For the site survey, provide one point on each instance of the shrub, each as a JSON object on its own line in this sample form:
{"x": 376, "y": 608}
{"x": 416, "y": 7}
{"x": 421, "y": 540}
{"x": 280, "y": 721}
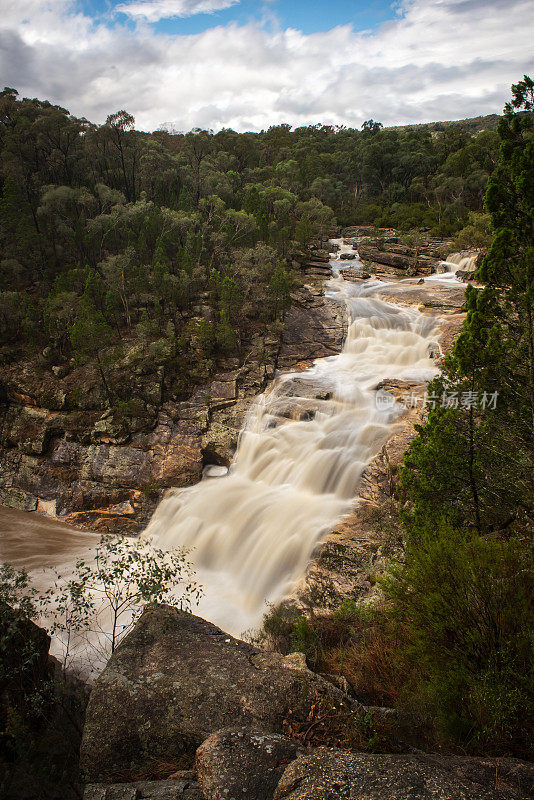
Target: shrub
{"x": 464, "y": 607}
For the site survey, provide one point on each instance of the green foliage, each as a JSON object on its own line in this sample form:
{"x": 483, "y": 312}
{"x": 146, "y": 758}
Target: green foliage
{"x": 465, "y": 609}
{"x": 106, "y": 595}
{"x": 89, "y": 333}
{"x": 20, "y": 656}
{"x": 476, "y": 233}
{"x": 480, "y": 461}
{"x": 463, "y": 600}
{"x": 279, "y": 291}
{"x": 304, "y": 639}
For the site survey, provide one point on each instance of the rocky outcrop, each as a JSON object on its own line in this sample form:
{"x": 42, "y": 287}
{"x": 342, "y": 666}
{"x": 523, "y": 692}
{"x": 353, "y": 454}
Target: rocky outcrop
{"x": 175, "y": 679}
{"x": 106, "y": 471}
{"x": 243, "y": 763}
{"x": 338, "y": 775}
{"x": 176, "y": 789}
{"x": 355, "y": 275}
{"x": 466, "y": 275}
{"x": 398, "y": 257}
{"x": 314, "y": 328}
{"x": 384, "y": 250}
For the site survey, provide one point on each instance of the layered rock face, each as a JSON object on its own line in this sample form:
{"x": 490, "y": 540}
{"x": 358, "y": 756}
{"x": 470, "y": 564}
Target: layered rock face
{"x": 384, "y": 250}
{"x": 106, "y": 471}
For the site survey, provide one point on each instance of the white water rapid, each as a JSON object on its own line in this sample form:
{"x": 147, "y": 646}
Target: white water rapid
{"x": 299, "y": 460}
{"x": 451, "y": 265}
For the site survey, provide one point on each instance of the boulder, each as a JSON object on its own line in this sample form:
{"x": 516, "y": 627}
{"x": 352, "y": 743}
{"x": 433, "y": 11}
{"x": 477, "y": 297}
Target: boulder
{"x": 339, "y": 775}
{"x": 175, "y": 679}
{"x": 466, "y": 275}
{"x": 144, "y": 790}
{"x": 243, "y": 763}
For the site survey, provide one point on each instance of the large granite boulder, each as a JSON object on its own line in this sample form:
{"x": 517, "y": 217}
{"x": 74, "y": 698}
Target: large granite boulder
{"x": 243, "y": 763}
{"x": 175, "y": 679}
{"x": 339, "y": 775}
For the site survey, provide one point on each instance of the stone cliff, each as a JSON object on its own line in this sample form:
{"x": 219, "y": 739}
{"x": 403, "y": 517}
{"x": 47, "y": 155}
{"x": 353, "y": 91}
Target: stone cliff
{"x": 106, "y": 471}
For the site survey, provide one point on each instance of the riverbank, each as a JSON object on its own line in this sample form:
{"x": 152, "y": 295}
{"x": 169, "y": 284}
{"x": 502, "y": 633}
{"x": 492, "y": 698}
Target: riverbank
{"x": 317, "y": 429}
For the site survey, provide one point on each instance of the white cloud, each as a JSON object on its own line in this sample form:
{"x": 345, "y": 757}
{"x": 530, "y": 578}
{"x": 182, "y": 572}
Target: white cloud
{"x": 154, "y": 10}
{"x": 440, "y": 59}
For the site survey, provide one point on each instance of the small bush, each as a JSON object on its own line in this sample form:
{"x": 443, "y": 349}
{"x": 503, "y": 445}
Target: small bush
{"x": 464, "y": 608}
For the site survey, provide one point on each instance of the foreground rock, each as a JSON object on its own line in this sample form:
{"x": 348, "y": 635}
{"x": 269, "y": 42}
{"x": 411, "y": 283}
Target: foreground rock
{"x": 243, "y": 763}
{"x": 176, "y": 679}
{"x": 144, "y": 790}
{"x": 338, "y": 775}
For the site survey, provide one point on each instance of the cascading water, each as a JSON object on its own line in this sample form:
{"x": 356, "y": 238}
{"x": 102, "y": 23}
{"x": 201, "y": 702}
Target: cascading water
{"x": 299, "y": 461}
{"x": 453, "y": 263}
{"x": 462, "y": 261}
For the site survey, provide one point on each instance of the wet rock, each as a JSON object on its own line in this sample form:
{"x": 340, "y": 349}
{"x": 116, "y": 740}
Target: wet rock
{"x": 466, "y": 275}
{"x": 118, "y": 466}
{"x": 220, "y": 441}
{"x": 338, "y": 775}
{"x": 353, "y": 274}
{"x": 175, "y": 679}
{"x": 243, "y": 763}
{"x": 398, "y": 260}
{"x": 347, "y": 256}
{"x": 314, "y": 327}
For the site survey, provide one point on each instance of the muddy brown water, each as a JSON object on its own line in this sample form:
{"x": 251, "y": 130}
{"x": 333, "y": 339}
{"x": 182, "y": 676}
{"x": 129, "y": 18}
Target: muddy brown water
{"x": 34, "y": 542}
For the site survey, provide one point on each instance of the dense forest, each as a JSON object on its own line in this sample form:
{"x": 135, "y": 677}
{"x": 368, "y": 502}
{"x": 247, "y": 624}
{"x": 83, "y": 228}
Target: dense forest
{"x": 109, "y": 234}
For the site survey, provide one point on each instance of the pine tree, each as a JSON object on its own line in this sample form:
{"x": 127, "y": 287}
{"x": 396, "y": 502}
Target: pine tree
{"x": 477, "y": 456}
{"x": 509, "y": 263}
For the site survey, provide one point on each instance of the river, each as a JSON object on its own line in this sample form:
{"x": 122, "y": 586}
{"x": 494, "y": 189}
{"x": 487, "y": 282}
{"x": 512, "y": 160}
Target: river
{"x": 300, "y": 457}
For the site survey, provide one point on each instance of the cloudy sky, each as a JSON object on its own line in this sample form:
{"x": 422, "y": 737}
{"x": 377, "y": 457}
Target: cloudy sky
{"x": 248, "y": 64}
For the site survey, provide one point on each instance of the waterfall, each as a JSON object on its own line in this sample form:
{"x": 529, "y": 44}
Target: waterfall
{"x": 462, "y": 260}
{"x": 299, "y": 460}
{"x": 453, "y": 263}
